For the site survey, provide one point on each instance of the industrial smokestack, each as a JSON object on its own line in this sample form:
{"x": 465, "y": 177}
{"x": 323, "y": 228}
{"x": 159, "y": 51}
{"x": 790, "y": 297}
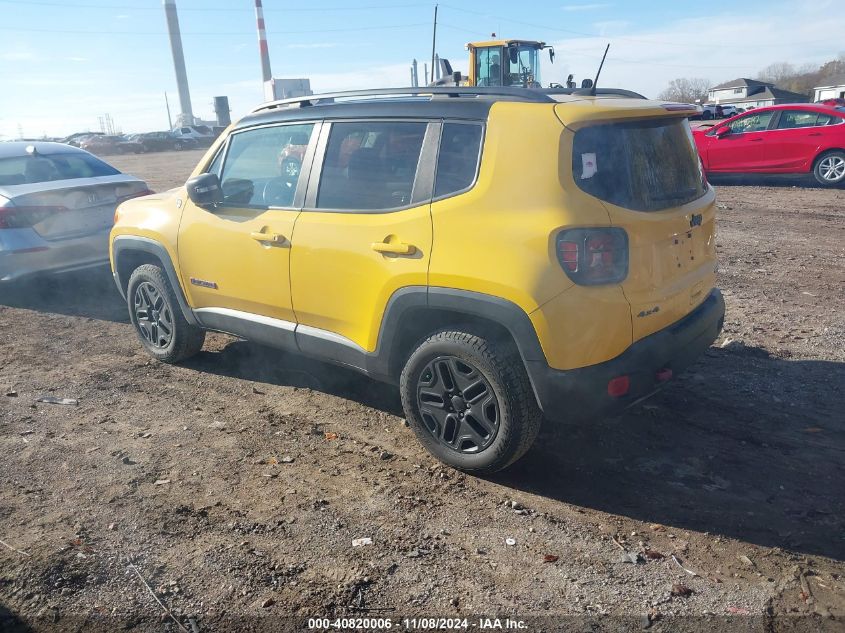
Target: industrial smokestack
{"x": 187, "y": 116}
{"x": 266, "y": 75}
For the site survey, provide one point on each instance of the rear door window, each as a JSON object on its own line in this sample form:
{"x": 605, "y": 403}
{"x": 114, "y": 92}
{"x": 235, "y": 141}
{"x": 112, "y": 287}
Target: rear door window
{"x": 258, "y": 171}
{"x": 457, "y": 161}
{"x": 370, "y": 165}
{"x": 792, "y": 119}
{"x": 643, "y": 165}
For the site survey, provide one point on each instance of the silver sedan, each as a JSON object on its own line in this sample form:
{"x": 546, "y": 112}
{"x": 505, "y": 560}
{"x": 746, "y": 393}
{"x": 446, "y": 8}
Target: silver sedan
{"x": 57, "y": 206}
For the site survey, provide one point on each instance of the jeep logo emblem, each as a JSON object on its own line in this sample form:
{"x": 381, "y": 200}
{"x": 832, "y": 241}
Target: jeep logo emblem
{"x": 695, "y": 220}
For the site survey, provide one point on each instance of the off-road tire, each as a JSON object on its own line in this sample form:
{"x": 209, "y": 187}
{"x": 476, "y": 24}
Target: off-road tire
{"x": 499, "y": 364}
{"x": 830, "y": 163}
{"x": 185, "y": 340}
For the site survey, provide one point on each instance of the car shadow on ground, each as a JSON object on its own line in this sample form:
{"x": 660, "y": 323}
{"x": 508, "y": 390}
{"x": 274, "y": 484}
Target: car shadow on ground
{"x": 248, "y": 361}
{"x": 89, "y": 293}
{"x": 766, "y": 180}
{"x": 11, "y": 623}
{"x": 743, "y": 445}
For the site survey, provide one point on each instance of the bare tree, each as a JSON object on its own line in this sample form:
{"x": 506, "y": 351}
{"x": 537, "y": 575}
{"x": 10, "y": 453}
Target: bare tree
{"x": 686, "y": 90}
{"x": 777, "y": 73}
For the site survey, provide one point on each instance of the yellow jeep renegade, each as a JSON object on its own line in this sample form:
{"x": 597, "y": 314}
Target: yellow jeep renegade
{"x": 503, "y": 255}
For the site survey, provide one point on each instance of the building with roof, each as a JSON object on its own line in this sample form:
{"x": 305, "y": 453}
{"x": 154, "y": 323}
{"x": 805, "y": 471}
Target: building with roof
{"x": 834, "y": 88}
{"x": 751, "y": 93}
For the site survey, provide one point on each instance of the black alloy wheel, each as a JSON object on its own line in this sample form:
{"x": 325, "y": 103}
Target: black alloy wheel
{"x": 458, "y": 405}
{"x": 153, "y": 316}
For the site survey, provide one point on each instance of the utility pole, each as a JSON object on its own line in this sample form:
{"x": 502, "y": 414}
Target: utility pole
{"x": 169, "y": 120}
{"x": 433, "y": 44}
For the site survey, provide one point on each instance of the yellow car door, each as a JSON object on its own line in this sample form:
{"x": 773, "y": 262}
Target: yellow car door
{"x": 235, "y": 257}
{"x": 365, "y": 231}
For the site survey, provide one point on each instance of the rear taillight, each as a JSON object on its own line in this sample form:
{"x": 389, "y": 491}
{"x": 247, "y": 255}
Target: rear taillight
{"x": 591, "y": 257}
{"x": 25, "y": 217}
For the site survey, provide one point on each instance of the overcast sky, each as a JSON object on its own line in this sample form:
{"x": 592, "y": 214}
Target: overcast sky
{"x": 64, "y": 63}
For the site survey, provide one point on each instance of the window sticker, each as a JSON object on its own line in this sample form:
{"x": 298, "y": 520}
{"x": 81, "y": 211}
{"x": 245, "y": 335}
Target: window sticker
{"x": 588, "y": 165}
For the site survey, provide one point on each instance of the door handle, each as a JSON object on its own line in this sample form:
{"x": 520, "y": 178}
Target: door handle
{"x": 270, "y": 238}
{"x": 755, "y": 139}
{"x": 814, "y": 134}
{"x": 394, "y": 248}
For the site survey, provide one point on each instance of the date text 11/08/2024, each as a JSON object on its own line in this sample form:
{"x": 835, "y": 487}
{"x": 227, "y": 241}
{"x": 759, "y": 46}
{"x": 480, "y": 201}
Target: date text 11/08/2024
{"x": 415, "y": 624}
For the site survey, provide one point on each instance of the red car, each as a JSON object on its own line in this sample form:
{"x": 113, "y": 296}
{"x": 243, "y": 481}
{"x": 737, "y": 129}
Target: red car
{"x": 782, "y": 139}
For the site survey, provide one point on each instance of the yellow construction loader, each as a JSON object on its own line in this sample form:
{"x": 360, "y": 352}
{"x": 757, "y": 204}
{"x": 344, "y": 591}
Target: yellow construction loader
{"x": 499, "y": 62}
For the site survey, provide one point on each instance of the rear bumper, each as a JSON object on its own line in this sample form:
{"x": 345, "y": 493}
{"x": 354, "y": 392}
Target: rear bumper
{"x": 24, "y": 253}
{"x": 564, "y": 395}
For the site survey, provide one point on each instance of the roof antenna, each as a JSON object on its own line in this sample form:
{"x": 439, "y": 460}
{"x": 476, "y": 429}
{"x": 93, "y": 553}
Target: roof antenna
{"x": 596, "y": 80}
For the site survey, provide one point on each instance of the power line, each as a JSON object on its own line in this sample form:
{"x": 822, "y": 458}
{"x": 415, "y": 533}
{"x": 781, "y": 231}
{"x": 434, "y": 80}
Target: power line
{"x": 216, "y": 33}
{"x": 215, "y": 9}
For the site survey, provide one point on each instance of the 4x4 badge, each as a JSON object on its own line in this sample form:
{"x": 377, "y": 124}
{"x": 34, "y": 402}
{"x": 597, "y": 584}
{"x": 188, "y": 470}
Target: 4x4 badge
{"x": 695, "y": 220}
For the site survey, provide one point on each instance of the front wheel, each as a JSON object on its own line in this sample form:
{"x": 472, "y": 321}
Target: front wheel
{"x": 157, "y": 318}
{"x": 469, "y": 402}
{"x": 830, "y": 169}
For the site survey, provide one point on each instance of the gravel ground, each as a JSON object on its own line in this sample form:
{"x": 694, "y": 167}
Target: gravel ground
{"x": 232, "y": 486}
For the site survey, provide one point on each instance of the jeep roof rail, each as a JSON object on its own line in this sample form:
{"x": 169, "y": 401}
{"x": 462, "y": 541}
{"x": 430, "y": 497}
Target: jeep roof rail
{"x": 524, "y": 94}
{"x": 600, "y": 92}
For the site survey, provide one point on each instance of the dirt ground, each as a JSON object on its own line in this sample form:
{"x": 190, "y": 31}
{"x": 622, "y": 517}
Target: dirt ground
{"x": 221, "y": 485}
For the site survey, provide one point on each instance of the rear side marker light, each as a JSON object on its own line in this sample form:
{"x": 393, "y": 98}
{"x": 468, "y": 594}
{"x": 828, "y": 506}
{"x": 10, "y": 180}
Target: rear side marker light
{"x": 618, "y": 387}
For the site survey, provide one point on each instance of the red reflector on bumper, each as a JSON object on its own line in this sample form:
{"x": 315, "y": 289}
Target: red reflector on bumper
{"x": 618, "y": 387}
{"x": 663, "y": 375}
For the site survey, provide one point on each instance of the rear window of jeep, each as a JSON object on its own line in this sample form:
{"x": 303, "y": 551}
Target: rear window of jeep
{"x": 641, "y": 165}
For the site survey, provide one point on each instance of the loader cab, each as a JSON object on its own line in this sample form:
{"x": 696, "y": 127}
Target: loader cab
{"x": 506, "y": 63}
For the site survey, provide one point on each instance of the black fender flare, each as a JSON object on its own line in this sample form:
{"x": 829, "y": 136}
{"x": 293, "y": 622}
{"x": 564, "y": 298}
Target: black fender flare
{"x": 124, "y": 244}
{"x": 404, "y": 302}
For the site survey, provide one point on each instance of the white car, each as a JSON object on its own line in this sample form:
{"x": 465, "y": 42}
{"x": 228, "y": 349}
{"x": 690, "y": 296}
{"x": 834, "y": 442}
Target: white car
{"x": 202, "y": 134}
{"x": 716, "y": 111}
{"x": 57, "y": 205}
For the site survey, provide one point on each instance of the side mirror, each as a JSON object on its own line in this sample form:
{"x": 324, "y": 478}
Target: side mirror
{"x": 722, "y": 131}
{"x": 514, "y": 55}
{"x": 552, "y": 55}
{"x": 587, "y": 83}
{"x": 204, "y": 190}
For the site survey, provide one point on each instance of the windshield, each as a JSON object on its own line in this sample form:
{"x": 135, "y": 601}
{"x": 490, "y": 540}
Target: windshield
{"x": 643, "y": 165}
{"x": 523, "y": 67}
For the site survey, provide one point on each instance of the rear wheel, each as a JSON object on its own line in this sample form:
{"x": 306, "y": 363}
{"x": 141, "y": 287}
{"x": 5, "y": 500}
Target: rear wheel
{"x": 157, "y": 318}
{"x": 830, "y": 169}
{"x": 469, "y": 402}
